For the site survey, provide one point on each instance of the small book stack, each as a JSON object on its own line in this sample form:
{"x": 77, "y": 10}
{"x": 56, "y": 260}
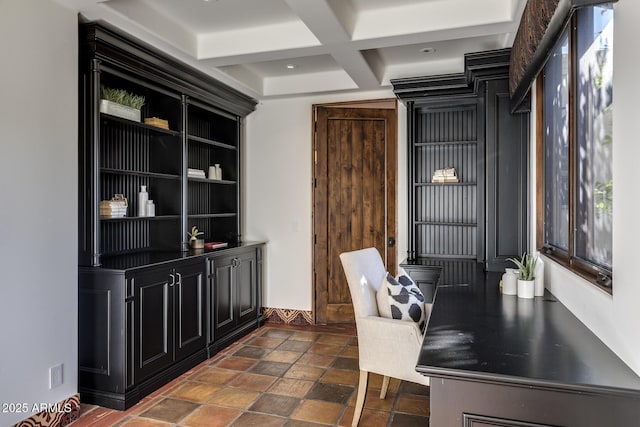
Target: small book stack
{"x": 445, "y": 175}
{"x": 114, "y": 208}
{"x": 195, "y": 173}
{"x": 157, "y": 122}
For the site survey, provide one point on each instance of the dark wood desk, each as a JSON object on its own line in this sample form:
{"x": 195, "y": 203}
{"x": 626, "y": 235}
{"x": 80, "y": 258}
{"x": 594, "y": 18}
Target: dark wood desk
{"x": 499, "y": 360}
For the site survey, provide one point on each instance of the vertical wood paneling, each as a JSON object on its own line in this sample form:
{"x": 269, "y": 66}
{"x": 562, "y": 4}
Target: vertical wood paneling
{"x": 446, "y": 214}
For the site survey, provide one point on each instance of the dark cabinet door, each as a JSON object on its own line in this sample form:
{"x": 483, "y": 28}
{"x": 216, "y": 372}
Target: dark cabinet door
{"x": 234, "y": 291}
{"x": 246, "y": 301}
{"x": 507, "y": 144}
{"x": 189, "y": 306}
{"x": 221, "y": 284}
{"x": 152, "y": 322}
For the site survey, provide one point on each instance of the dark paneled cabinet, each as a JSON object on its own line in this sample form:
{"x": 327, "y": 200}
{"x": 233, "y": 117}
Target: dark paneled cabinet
{"x": 151, "y": 321}
{"x": 463, "y": 121}
{"x": 233, "y": 299}
{"x": 142, "y": 325}
{"x": 146, "y": 301}
{"x": 168, "y": 316}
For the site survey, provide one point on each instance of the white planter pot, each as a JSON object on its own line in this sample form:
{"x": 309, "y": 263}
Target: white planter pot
{"x": 119, "y": 110}
{"x": 526, "y": 288}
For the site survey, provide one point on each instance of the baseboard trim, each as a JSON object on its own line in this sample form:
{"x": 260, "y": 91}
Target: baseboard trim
{"x": 288, "y": 316}
{"x": 59, "y": 415}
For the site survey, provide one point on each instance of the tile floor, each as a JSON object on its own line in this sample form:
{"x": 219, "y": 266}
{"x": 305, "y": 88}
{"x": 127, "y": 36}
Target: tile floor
{"x": 276, "y": 376}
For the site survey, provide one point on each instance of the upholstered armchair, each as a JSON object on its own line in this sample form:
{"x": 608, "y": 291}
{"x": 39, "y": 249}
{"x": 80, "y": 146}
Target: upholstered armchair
{"x": 387, "y": 347}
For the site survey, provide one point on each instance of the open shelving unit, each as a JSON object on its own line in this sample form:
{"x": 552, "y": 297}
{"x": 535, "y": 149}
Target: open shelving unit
{"x": 445, "y": 215}
{"x": 118, "y": 156}
{"x": 213, "y": 138}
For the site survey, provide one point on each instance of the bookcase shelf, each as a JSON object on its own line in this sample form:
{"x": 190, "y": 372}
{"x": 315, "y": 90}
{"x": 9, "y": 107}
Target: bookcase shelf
{"x": 109, "y": 118}
{"x": 435, "y": 144}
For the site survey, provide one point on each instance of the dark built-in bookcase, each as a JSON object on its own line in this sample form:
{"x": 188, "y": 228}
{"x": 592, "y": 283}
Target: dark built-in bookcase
{"x": 149, "y": 307}
{"x": 464, "y": 121}
{"x": 118, "y": 156}
{"x": 446, "y": 214}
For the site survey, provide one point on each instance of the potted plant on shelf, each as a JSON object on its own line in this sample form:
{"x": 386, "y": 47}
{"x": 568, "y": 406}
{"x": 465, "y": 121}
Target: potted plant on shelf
{"x": 120, "y": 103}
{"x": 194, "y": 242}
{"x": 526, "y": 274}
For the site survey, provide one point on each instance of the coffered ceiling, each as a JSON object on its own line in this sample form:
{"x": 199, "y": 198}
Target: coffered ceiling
{"x": 280, "y": 48}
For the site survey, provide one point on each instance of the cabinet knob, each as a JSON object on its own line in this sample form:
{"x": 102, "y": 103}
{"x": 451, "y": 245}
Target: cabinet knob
{"x": 173, "y": 280}
{"x": 179, "y": 282}
{"x": 235, "y": 262}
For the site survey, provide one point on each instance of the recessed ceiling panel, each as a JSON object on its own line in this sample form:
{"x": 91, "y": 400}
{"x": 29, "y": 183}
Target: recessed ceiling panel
{"x": 294, "y": 66}
{"x": 202, "y": 16}
{"x": 441, "y": 50}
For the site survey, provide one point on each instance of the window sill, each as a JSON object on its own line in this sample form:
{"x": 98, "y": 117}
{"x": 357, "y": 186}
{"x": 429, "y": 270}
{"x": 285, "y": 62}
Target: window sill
{"x": 590, "y": 277}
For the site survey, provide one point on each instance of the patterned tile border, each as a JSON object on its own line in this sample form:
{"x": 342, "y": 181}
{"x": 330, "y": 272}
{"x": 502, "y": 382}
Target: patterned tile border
{"x": 58, "y": 415}
{"x": 288, "y": 316}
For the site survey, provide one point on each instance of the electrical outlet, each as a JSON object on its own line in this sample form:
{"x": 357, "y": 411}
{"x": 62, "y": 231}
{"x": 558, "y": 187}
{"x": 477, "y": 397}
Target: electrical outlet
{"x": 55, "y": 376}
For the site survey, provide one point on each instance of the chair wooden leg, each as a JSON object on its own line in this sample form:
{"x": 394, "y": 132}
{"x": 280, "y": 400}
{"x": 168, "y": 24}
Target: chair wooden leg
{"x": 385, "y": 386}
{"x": 362, "y": 392}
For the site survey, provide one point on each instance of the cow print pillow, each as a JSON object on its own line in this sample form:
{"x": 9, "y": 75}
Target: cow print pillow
{"x": 404, "y": 298}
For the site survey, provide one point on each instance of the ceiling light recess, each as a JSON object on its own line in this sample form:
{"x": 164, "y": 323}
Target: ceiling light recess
{"x": 428, "y": 49}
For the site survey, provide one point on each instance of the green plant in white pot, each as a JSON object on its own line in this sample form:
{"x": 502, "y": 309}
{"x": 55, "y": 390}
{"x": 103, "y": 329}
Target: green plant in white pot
{"x": 194, "y": 241}
{"x": 526, "y": 274}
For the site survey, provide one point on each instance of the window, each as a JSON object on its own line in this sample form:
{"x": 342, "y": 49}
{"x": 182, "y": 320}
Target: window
{"x": 576, "y": 156}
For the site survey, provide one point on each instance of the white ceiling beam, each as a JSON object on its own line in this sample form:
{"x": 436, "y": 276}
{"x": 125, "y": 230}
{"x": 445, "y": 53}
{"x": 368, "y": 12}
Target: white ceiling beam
{"x": 323, "y": 21}
{"x": 363, "y": 45}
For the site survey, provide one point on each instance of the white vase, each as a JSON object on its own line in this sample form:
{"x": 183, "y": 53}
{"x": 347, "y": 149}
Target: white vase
{"x": 509, "y": 279}
{"x": 539, "y": 272}
{"x": 526, "y": 288}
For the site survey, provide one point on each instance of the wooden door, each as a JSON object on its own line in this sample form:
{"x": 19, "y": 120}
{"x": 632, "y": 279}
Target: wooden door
{"x": 355, "y": 161}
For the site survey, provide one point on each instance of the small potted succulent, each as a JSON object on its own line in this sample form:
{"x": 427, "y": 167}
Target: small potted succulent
{"x": 194, "y": 242}
{"x": 526, "y": 274}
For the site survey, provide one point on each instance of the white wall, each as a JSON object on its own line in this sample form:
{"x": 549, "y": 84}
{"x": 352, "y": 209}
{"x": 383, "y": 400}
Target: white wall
{"x": 38, "y": 216}
{"x": 615, "y": 319}
{"x": 278, "y": 192}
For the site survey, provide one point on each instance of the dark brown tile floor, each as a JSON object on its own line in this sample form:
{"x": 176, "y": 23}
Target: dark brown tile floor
{"x": 277, "y": 376}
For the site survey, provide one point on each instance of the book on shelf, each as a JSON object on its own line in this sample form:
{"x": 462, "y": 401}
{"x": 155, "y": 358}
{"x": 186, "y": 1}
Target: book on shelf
{"x": 215, "y": 245}
{"x": 195, "y": 173}
{"x": 440, "y": 180}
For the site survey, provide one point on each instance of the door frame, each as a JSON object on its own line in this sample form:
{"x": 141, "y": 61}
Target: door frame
{"x": 391, "y": 161}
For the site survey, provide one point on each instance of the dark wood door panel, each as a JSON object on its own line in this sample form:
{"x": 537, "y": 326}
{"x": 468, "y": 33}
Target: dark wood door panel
{"x": 354, "y": 198}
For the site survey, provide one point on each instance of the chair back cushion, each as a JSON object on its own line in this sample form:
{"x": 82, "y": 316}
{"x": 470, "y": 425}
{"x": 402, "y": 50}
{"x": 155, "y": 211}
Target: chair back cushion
{"x": 364, "y": 271}
{"x": 400, "y": 298}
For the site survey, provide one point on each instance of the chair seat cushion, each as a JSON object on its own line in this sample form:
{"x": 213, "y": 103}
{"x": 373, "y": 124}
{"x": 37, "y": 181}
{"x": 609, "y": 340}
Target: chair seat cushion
{"x": 400, "y": 298}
